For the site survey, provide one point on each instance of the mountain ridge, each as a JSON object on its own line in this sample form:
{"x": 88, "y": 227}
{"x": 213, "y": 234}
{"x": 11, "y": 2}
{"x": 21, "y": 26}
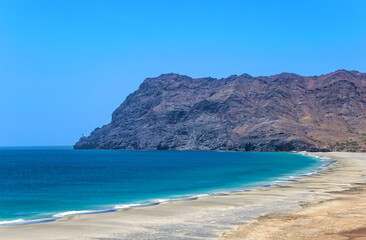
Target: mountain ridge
{"x": 282, "y": 112}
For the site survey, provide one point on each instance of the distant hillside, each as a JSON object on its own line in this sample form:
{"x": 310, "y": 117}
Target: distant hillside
{"x": 283, "y": 112}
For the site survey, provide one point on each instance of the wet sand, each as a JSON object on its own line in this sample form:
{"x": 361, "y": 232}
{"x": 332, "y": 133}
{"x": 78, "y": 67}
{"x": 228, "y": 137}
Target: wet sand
{"x": 328, "y": 203}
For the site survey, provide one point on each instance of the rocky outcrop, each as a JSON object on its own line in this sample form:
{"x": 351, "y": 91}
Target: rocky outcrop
{"x": 282, "y": 112}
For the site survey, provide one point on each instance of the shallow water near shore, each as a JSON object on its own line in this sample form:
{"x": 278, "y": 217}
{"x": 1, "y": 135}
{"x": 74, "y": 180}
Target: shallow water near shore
{"x": 46, "y": 183}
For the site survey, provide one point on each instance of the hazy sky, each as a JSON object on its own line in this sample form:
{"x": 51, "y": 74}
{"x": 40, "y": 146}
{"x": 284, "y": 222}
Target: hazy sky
{"x": 66, "y": 65}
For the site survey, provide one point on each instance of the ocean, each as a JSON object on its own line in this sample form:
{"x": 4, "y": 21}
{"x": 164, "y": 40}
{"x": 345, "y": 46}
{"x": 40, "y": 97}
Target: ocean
{"x": 39, "y": 184}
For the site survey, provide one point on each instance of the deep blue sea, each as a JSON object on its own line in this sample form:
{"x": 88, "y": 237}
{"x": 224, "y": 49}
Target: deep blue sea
{"x": 49, "y": 182}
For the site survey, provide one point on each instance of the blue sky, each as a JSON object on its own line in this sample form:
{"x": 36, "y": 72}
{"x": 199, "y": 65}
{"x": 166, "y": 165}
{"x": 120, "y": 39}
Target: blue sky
{"x": 66, "y": 65}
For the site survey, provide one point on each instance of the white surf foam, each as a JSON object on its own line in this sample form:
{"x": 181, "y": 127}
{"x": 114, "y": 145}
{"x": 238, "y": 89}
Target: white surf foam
{"x": 23, "y": 222}
{"x": 72, "y": 213}
{"x": 12, "y": 222}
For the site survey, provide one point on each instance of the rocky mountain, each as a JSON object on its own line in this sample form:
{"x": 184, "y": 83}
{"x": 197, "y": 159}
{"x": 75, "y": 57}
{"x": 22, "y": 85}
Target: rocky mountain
{"x": 282, "y": 112}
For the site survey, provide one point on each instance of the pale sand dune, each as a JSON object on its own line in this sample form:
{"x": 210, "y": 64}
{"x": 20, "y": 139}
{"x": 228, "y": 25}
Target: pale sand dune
{"x": 212, "y": 217}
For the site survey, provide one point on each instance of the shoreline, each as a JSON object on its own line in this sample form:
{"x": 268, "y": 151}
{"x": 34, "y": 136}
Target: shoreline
{"x": 339, "y": 213}
{"x": 205, "y": 218}
{"x": 289, "y": 177}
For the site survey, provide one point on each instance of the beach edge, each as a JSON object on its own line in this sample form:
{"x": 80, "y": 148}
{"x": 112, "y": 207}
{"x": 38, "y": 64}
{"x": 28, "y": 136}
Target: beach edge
{"x": 204, "y": 208}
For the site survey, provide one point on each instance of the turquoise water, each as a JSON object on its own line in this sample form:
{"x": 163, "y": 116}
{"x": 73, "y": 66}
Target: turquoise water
{"x": 38, "y": 183}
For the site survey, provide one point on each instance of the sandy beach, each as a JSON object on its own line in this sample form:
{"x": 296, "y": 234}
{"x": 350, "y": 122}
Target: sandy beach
{"x": 328, "y": 205}
{"x": 338, "y": 210}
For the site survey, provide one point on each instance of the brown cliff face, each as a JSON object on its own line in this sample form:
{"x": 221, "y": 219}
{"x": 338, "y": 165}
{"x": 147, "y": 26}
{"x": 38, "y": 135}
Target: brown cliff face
{"x": 283, "y": 112}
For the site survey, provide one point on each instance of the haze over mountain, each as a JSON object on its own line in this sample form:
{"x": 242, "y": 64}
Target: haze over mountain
{"x": 282, "y": 112}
